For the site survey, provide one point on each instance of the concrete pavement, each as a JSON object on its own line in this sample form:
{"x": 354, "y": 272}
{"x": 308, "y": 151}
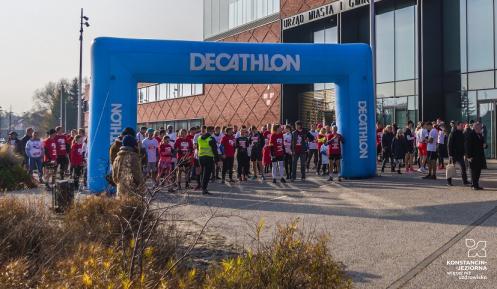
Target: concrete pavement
{"x": 392, "y": 231}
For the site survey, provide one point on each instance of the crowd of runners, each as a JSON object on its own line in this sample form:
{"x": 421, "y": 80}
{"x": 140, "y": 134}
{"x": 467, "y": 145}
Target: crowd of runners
{"x": 205, "y": 154}
{"x": 430, "y": 146}
{"x": 56, "y": 152}
{"x": 232, "y": 154}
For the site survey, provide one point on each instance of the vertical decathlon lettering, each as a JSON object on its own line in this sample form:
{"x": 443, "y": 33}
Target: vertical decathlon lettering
{"x": 363, "y": 129}
{"x": 116, "y": 121}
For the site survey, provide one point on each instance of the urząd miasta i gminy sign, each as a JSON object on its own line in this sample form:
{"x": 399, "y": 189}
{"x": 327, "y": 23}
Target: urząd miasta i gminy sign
{"x": 322, "y": 12}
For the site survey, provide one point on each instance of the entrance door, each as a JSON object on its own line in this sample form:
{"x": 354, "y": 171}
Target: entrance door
{"x": 487, "y": 111}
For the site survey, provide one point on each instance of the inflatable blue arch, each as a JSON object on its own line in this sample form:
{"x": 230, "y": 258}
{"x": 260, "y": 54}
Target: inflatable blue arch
{"x": 119, "y": 64}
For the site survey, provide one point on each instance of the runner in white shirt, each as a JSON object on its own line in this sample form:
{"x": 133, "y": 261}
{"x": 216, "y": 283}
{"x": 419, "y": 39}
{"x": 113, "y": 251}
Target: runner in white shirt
{"x": 431, "y": 148}
{"x": 34, "y": 151}
{"x": 441, "y": 145}
{"x": 172, "y": 140}
{"x": 287, "y": 141}
{"x": 421, "y": 139}
{"x": 151, "y": 147}
{"x": 218, "y": 135}
{"x": 313, "y": 148}
{"x": 140, "y": 136}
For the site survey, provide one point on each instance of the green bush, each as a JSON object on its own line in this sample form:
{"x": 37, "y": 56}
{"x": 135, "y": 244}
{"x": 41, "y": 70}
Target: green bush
{"x": 14, "y": 177}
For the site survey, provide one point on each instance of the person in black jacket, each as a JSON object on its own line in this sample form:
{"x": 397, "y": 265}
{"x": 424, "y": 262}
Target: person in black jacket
{"x": 455, "y": 146}
{"x": 399, "y": 149}
{"x": 386, "y": 148}
{"x": 15, "y": 143}
{"x": 207, "y": 156}
{"x": 24, "y": 141}
{"x": 474, "y": 150}
{"x": 300, "y": 137}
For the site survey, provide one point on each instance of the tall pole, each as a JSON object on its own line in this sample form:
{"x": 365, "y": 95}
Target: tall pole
{"x": 372, "y": 41}
{"x": 10, "y": 118}
{"x": 65, "y": 113}
{"x": 61, "y": 104}
{"x": 80, "y": 70}
{"x": 0, "y": 121}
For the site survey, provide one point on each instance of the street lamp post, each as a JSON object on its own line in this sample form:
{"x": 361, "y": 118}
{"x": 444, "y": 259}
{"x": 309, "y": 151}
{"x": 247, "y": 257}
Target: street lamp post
{"x": 83, "y": 22}
{"x": 0, "y": 121}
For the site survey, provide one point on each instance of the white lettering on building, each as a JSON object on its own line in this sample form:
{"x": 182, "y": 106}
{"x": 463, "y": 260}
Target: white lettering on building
{"x": 244, "y": 62}
{"x": 363, "y": 129}
{"x": 322, "y": 12}
{"x": 116, "y": 121}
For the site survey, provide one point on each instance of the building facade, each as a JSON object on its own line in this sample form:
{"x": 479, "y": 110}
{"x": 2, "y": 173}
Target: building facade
{"x": 433, "y": 58}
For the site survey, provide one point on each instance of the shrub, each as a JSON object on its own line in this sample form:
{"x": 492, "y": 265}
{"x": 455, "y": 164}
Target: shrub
{"x": 291, "y": 259}
{"x": 85, "y": 249}
{"x": 14, "y": 177}
{"x": 102, "y": 219}
{"x": 25, "y": 231}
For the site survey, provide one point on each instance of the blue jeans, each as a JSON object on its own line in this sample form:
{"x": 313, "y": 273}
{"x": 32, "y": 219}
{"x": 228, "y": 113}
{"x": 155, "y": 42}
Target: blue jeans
{"x": 35, "y": 162}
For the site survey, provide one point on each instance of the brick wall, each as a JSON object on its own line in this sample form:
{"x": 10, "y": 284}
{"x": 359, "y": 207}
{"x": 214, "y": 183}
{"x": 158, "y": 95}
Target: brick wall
{"x": 292, "y": 7}
{"x": 223, "y": 104}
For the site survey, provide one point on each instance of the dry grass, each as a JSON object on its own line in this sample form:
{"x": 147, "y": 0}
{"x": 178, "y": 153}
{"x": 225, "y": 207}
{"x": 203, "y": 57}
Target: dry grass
{"x": 88, "y": 248}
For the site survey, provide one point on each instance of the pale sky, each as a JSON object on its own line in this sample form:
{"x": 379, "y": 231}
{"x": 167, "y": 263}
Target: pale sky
{"x": 39, "y": 38}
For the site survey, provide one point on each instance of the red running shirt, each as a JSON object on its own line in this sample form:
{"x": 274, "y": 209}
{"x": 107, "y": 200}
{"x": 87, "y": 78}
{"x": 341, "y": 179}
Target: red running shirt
{"x": 335, "y": 147}
{"x": 165, "y": 152}
{"x": 50, "y": 149}
{"x": 77, "y": 156}
{"x": 379, "y": 134}
{"x": 277, "y": 142}
{"x": 228, "y": 143}
{"x": 184, "y": 147}
{"x": 60, "y": 141}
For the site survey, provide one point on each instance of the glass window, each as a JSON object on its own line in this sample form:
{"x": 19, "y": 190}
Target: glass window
{"x": 152, "y": 96}
{"x": 163, "y": 91}
{"x": 331, "y": 35}
{"x": 406, "y": 87}
{"x": 481, "y": 80}
{"x": 487, "y": 94}
{"x": 187, "y": 90}
{"x": 215, "y": 16}
{"x": 207, "y": 18}
{"x": 328, "y": 35}
{"x": 319, "y": 36}
{"x": 385, "y": 46}
{"x": 222, "y": 15}
{"x": 468, "y": 105}
{"x": 385, "y": 89}
{"x": 405, "y": 43}
{"x": 480, "y": 35}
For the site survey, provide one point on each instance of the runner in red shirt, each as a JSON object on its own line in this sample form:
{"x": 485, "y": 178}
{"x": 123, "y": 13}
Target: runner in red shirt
{"x": 266, "y": 151}
{"x": 77, "y": 159}
{"x": 165, "y": 165}
{"x": 50, "y": 158}
{"x": 277, "y": 146}
{"x": 379, "y": 134}
{"x": 62, "y": 145}
{"x": 184, "y": 150}
{"x": 335, "y": 152}
{"x": 228, "y": 153}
